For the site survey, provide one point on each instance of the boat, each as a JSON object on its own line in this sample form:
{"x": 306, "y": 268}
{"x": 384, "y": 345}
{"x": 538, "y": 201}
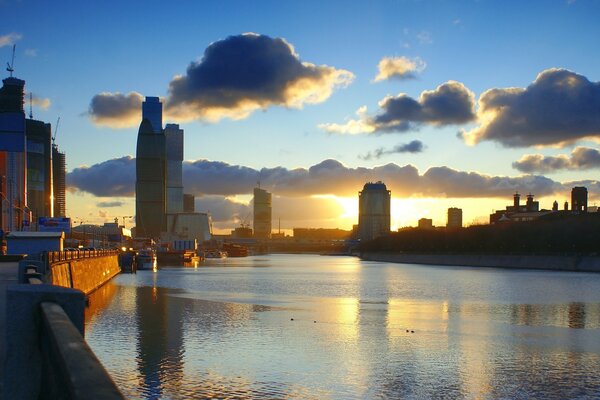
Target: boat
{"x": 235, "y": 250}
{"x": 176, "y": 257}
{"x": 146, "y": 259}
{"x": 215, "y": 254}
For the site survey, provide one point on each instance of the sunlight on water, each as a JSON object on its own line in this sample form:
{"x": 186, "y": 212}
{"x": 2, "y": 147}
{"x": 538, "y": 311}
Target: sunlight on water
{"x": 312, "y": 327}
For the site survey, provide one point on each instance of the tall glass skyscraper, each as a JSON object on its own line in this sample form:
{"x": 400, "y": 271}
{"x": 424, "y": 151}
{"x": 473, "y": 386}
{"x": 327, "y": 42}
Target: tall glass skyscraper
{"x": 374, "y": 211}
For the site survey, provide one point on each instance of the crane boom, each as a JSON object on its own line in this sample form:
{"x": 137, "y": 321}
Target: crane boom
{"x": 55, "y": 130}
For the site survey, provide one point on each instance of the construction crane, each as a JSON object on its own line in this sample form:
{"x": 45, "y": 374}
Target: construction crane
{"x": 55, "y": 131}
{"x": 125, "y": 216}
{"x": 11, "y": 67}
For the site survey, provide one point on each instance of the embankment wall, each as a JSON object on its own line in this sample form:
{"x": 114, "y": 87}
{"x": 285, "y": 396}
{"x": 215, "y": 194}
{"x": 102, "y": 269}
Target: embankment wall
{"x": 85, "y": 274}
{"x": 542, "y": 262}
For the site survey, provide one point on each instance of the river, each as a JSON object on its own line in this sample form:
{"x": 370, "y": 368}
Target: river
{"x": 318, "y": 327}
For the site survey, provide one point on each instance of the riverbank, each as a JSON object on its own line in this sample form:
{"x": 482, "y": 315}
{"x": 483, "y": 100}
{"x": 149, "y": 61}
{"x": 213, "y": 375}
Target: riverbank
{"x": 541, "y": 262}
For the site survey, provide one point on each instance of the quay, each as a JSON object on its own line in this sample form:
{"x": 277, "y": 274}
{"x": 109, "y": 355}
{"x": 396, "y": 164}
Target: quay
{"x": 43, "y": 354}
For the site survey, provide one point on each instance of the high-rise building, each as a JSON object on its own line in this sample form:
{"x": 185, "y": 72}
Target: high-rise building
{"x": 59, "y": 182}
{"x": 262, "y": 213}
{"x": 13, "y": 156}
{"x": 579, "y": 198}
{"x": 39, "y": 169}
{"x": 189, "y": 203}
{"x": 160, "y": 211}
{"x": 374, "y": 211}
{"x": 174, "y": 148}
{"x": 152, "y": 111}
{"x": 150, "y": 167}
{"x": 454, "y": 218}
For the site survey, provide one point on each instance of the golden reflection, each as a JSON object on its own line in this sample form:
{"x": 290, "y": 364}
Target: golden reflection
{"x": 99, "y": 300}
{"x": 416, "y": 315}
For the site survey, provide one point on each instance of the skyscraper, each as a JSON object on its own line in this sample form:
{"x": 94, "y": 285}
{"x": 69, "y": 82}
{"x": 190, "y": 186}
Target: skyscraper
{"x": 374, "y": 211}
{"x": 262, "y": 213}
{"x": 174, "y": 149}
{"x": 13, "y": 156}
{"x": 454, "y": 218}
{"x": 150, "y": 168}
{"x": 39, "y": 169}
{"x": 579, "y": 198}
{"x": 59, "y": 182}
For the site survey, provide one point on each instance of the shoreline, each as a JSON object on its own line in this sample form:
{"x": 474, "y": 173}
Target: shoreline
{"x": 545, "y": 262}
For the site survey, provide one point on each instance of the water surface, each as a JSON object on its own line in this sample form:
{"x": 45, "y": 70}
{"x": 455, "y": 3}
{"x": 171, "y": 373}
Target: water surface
{"x": 314, "y": 327}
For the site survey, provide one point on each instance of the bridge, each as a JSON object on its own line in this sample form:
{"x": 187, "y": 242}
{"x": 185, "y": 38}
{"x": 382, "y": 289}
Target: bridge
{"x": 43, "y": 354}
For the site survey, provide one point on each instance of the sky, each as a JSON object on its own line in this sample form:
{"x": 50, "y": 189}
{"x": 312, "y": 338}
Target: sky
{"x": 449, "y": 103}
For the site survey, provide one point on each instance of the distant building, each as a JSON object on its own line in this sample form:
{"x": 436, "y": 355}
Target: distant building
{"x": 454, "y": 218}
{"x": 150, "y": 166}
{"x": 262, "y": 214}
{"x": 59, "y": 171}
{"x": 425, "y": 223}
{"x": 242, "y": 232}
{"x": 189, "y": 203}
{"x": 162, "y": 210}
{"x": 517, "y": 212}
{"x": 579, "y": 199}
{"x": 174, "y": 147}
{"x": 374, "y": 211}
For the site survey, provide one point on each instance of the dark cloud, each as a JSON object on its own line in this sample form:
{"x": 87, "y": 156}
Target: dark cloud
{"x": 416, "y": 146}
{"x": 580, "y": 158}
{"x": 223, "y": 209}
{"x": 114, "y": 177}
{"x": 244, "y": 73}
{"x": 109, "y": 204}
{"x": 447, "y": 182}
{"x": 330, "y": 177}
{"x": 116, "y": 110}
{"x": 559, "y": 107}
{"x": 449, "y": 104}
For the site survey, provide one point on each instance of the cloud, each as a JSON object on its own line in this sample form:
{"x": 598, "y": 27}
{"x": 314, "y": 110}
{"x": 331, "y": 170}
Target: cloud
{"x": 116, "y": 110}
{"x": 41, "y": 102}
{"x": 449, "y": 104}
{"x": 581, "y": 158}
{"x": 9, "y": 39}
{"x": 558, "y": 108}
{"x": 244, "y": 73}
{"x": 109, "y": 204}
{"x": 399, "y": 68}
{"x": 224, "y": 209}
{"x": 424, "y": 37}
{"x": 31, "y": 52}
{"x": 416, "y": 146}
{"x": 115, "y": 177}
{"x": 235, "y": 77}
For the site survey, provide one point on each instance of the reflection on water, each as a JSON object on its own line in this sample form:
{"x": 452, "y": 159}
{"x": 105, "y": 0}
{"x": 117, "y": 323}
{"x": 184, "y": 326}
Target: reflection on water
{"x": 336, "y": 327}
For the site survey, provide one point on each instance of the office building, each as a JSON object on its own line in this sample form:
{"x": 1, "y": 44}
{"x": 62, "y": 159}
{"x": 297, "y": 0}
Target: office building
{"x": 579, "y": 199}
{"x": 39, "y": 170}
{"x": 374, "y": 211}
{"x": 189, "y": 203}
{"x": 174, "y": 152}
{"x": 59, "y": 182}
{"x": 454, "y": 218}
{"x": 150, "y": 168}
{"x": 425, "y": 223}
{"x": 162, "y": 211}
{"x": 13, "y": 157}
{"x": 262, "y": 213}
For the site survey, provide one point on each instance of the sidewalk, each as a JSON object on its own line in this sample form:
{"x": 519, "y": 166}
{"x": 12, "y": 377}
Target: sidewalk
{"x": 8, "y": 276}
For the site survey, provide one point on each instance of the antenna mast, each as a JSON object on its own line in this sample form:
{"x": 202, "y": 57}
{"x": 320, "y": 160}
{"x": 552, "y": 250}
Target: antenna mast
{"x": 30, "y": 106}
{"x": 11, "y": 67}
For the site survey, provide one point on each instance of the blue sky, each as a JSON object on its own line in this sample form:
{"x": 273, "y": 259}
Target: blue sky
{"x": 71, "y": 51}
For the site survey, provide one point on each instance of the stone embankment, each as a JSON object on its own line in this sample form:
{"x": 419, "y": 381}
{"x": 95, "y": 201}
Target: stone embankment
{"x": 86, "y": 273}
{"x": 541, "y": 262}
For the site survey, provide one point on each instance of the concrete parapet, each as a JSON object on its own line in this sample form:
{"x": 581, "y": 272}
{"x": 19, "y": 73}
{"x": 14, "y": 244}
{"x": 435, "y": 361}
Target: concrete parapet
{"x": 86, "y": 274}
{"x": 24, "y": 367}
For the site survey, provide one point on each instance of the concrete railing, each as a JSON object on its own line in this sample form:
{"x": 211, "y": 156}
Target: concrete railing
{"x": 56, "y": 256}
{"x": 47, "y": 356}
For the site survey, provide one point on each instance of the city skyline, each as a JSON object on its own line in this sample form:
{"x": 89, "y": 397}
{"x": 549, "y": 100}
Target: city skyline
{"x": 418, "y": 95}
